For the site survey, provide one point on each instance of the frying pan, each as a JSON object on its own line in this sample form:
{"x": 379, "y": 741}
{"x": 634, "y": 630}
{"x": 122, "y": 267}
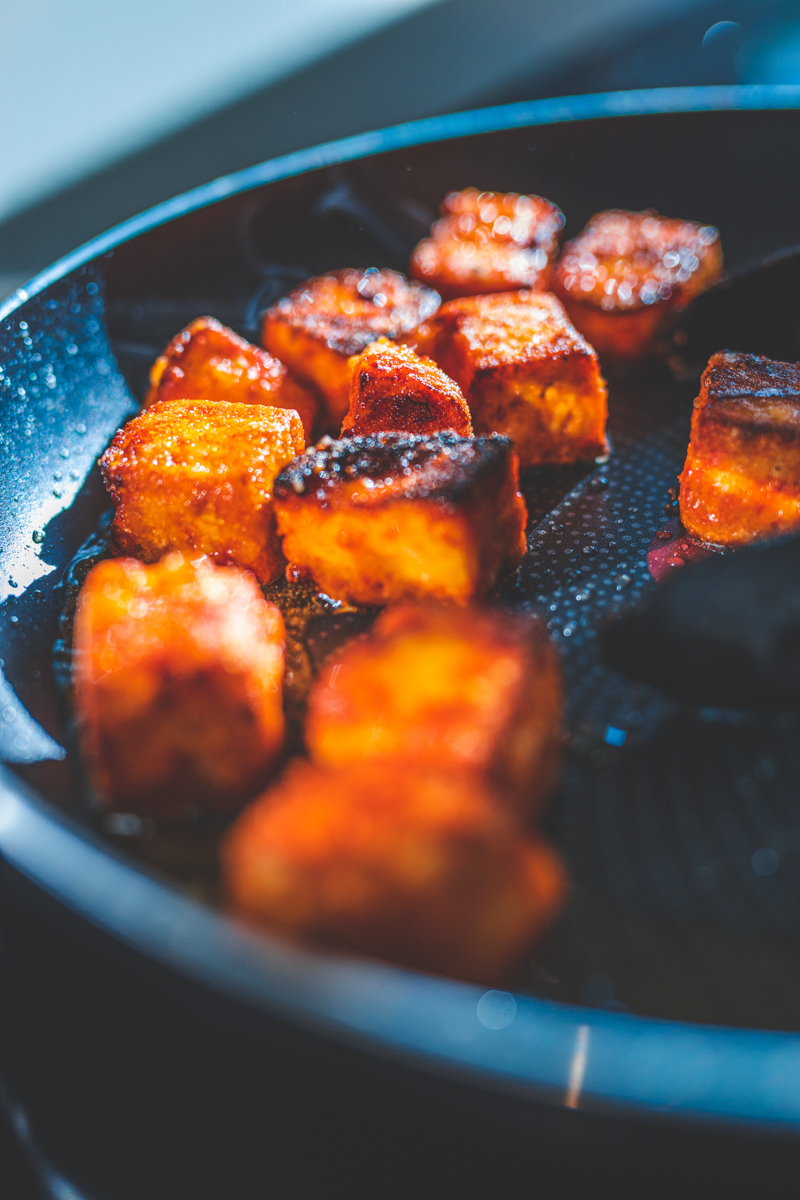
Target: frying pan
{"x": 153, "y": 1047}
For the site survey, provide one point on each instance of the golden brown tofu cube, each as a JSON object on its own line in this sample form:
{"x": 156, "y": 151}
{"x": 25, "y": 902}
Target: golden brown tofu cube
{"x": 420, "y": 869}
{"x": 393, "y": 389}
{"x": 178, "y": 684}
{"x": 741, "y": 480}
{"x": 489, "y": 242}
{"x": 197, "y": 476}
{"x": 623, "y": 276}
{"x": 524, "y": 371}
{"x": 207, "y": 361}
{"x": 396, "y": 517}
{"x": 325, "y": 321}
{"x": 445, "y": 688}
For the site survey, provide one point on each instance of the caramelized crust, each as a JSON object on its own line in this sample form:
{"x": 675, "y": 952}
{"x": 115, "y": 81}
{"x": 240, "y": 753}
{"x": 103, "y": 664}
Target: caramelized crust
{"x": 178, "y": 680}
{"x": 741, "y": 480}
{"x": 420, "y": 869}
{"x": 197, "y": 476}
{"x": 627, "y": 271}
{"x": 207, "y": 361}
{"x": 393, "y": 516}
{"x": 445, "y": 688}
{"x": 524, "y": 371}
{"x": 489, "y": 242}
{"x": 392, "y": 389}
{"x": 326, "y": 320}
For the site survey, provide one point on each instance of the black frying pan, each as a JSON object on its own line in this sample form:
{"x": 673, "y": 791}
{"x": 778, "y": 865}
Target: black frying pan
{"x": 153, "y": 1048}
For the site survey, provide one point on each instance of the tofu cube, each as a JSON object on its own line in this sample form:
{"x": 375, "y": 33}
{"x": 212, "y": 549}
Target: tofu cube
{"x": 207, "y": 361}
{"x": 445, "y": 688}
{"x": 420, "y": 869}
{"x": 524, "y": 371}
{"x": 741, "y": 481}
{"x": 393, "y": 389}
{"x": 325, "y": 321}
{"x": 393, "y": 516}
{"x": 489, "y": 242}
{"x": 623, "y": 276}
{"x": 197, "y": 476}
{"x": 178, "y": 685}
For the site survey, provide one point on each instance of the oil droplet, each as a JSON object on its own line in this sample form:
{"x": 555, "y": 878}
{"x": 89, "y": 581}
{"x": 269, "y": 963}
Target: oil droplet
{"x": 37, "y": 536}
{"x": 676, "y": 561}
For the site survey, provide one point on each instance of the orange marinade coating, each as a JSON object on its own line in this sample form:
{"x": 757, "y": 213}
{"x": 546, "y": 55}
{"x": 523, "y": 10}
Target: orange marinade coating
{"x": 178, "y": 684}
{"x": 207, "y": 361}
{"x": 627, "y": 271}
{"x": 326, "y": 320}
{"x": 489, "y": 242}
{"x": 197, "y": 476}
{"x": 395, "y": 516}
{"x": 445, "y": 688}
{"x": 525, "y": 372}
{"x": 741, "y": 481}
{"x": 420, "y": 869}
{"x": 392, "y": 388}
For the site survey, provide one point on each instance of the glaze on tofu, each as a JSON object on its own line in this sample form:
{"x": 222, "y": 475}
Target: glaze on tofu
{"x": 489, "y": 242}
{"x": 445, "y": 688}
{"x": 524, "y": 371}
{"x": 741, "y": 481}
{"x": 197, "y": 476}
{"x": 207, "y": 361}
{"x": 389, "y": 517}
{"x": 326, "y": 320}
{"x": 178, "y": 685}
{"x": 420, "y": 869}
{"x": 393, "y": 389}
{"x": 623, "y": 276}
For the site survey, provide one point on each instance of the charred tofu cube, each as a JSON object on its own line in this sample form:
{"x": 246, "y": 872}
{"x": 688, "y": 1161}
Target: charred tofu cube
{"x": 627, "y": 272}
{"x": 197, "y": 476}
{"x": 524, "y": 371}
{"x": 423, "y": 870}
{"x": 489, "y": 242}
{"x": 206, "y": 361}
{"x": 445, "y": 688}
{"x": 393, "y": 389}
{"x": 394, "y": 516}
{"x": 325, "y": 321}
{"x": 178, "y": 685}
{"x": 741, "y": 480}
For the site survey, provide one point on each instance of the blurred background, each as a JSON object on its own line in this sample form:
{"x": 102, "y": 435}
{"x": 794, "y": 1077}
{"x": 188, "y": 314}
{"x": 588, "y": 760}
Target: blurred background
{"x": 111, "y": 108}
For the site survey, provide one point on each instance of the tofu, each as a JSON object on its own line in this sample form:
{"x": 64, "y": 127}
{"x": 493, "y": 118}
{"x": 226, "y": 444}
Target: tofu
{"x": 627, "y": 272}
{"x": 178, "y": 685}
{"x": 489, "y": 242}
{"x": 325, "y": 321}
{"x": 390, "y": 517}
{"x": 741, "y": 481}
{"x": 445, "y": 688}
{"x": 420, "y": 869}
{"x": 197, "y": 476}
{"x": 525, "y": 372}
{"x": 393, "y": 389}
{"x": 207, "y": 361}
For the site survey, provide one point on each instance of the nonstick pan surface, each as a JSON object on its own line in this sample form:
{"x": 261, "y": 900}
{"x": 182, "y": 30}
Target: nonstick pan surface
{"x": 672, "y": 983}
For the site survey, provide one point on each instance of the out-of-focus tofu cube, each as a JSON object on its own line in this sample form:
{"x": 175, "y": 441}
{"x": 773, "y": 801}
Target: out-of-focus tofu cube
{"x": 623, "y": 276}
{"x": 197, "y": 476}
{"x": 393, "y": 389}
{"x": 445, "y": 688}
{"x": 393, "y": 516}
{"x": 524, "y": 371}
{"x": 741, "y": 480}
{"x": 178, "y": 685}
{"x": 420, "y": 869}
{"x": 489, "y": 242}
{"x": 207, "y": 361}
{"x": 325, "y": 321}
